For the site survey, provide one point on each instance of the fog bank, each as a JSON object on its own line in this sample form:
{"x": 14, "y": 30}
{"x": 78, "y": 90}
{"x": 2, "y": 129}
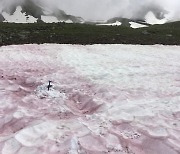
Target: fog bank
{"x": 105, "y": 9}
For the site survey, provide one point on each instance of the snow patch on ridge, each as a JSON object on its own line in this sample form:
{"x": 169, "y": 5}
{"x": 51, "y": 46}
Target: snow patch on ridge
{"x": 117, "y": 23}
{"x": 49, "y": 19}
{"x": 137, "y": 25}
{"x": 18, "y": 17}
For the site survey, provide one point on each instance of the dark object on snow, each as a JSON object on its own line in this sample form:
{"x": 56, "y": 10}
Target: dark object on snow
{"x": 49, "y": 85}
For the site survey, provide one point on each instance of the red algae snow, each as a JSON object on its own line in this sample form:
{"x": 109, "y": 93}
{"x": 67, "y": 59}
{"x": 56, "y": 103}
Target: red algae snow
{"x": 122, "y": 99}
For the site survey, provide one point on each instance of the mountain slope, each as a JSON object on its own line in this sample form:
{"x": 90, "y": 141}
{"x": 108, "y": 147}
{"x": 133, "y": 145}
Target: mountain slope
{"x": 150, "y": 14}
{"x": 29, "y": 9}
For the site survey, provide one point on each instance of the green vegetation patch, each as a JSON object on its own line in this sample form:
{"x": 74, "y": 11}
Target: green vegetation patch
{"x": 62, "y": 33}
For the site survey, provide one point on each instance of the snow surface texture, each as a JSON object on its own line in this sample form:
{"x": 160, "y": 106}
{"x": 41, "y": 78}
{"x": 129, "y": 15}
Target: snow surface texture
{"x": 120, "y": 99}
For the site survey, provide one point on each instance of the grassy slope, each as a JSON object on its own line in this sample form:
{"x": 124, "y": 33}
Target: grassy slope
{"x": 88, "y": 34}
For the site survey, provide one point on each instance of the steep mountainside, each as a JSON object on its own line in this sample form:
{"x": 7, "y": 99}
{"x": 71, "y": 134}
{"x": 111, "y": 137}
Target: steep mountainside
{"x": 37, "y": 12}
{"x": 32, "y": 9}
{"x": 149, "y": 15}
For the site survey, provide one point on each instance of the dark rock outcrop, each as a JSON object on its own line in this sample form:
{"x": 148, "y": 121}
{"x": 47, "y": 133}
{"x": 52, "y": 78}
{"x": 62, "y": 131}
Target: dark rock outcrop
{"x": 1, "y": 18}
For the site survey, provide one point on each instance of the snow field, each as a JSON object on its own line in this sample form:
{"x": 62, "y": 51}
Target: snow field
{"x": 105, "y": 99}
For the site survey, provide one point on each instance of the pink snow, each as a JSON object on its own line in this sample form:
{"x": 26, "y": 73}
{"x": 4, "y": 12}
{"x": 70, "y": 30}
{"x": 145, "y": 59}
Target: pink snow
{"x": 112, "y": 99}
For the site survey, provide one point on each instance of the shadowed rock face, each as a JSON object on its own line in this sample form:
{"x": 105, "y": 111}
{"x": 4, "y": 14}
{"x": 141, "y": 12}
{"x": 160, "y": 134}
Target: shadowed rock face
{"x": 30, "y": 8}
{"x": 1, "y": 18}
{"x": 61, "y": 15}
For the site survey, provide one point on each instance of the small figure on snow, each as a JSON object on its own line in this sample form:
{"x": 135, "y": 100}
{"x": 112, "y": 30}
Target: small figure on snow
{"x": 49, "y": 85}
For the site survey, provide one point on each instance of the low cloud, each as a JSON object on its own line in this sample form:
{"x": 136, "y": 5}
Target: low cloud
{"x": 105, "y": 9}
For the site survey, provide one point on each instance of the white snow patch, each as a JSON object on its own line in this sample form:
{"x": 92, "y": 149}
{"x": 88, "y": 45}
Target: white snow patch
{"x": 117, "y": 23}
{"x": 18, "y": 17}
{"x": 31, "y": 136}
{"x": 137, "y": 25}
{"x": 43, "y": 92}
{"x": 69, "y": 21}
{"x": 11, "y": 146}
{"x": 49, "y": 19}
{"x": 74, "y": 145}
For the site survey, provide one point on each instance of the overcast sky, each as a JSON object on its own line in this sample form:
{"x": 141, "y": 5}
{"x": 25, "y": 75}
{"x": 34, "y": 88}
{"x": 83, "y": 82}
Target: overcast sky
{"x": 105, "y": 9}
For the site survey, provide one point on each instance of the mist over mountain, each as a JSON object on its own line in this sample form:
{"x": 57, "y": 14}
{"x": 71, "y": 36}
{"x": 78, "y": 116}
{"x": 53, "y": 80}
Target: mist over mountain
{"x": 36, "y": 9}
{"x": 93, "y": 10}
